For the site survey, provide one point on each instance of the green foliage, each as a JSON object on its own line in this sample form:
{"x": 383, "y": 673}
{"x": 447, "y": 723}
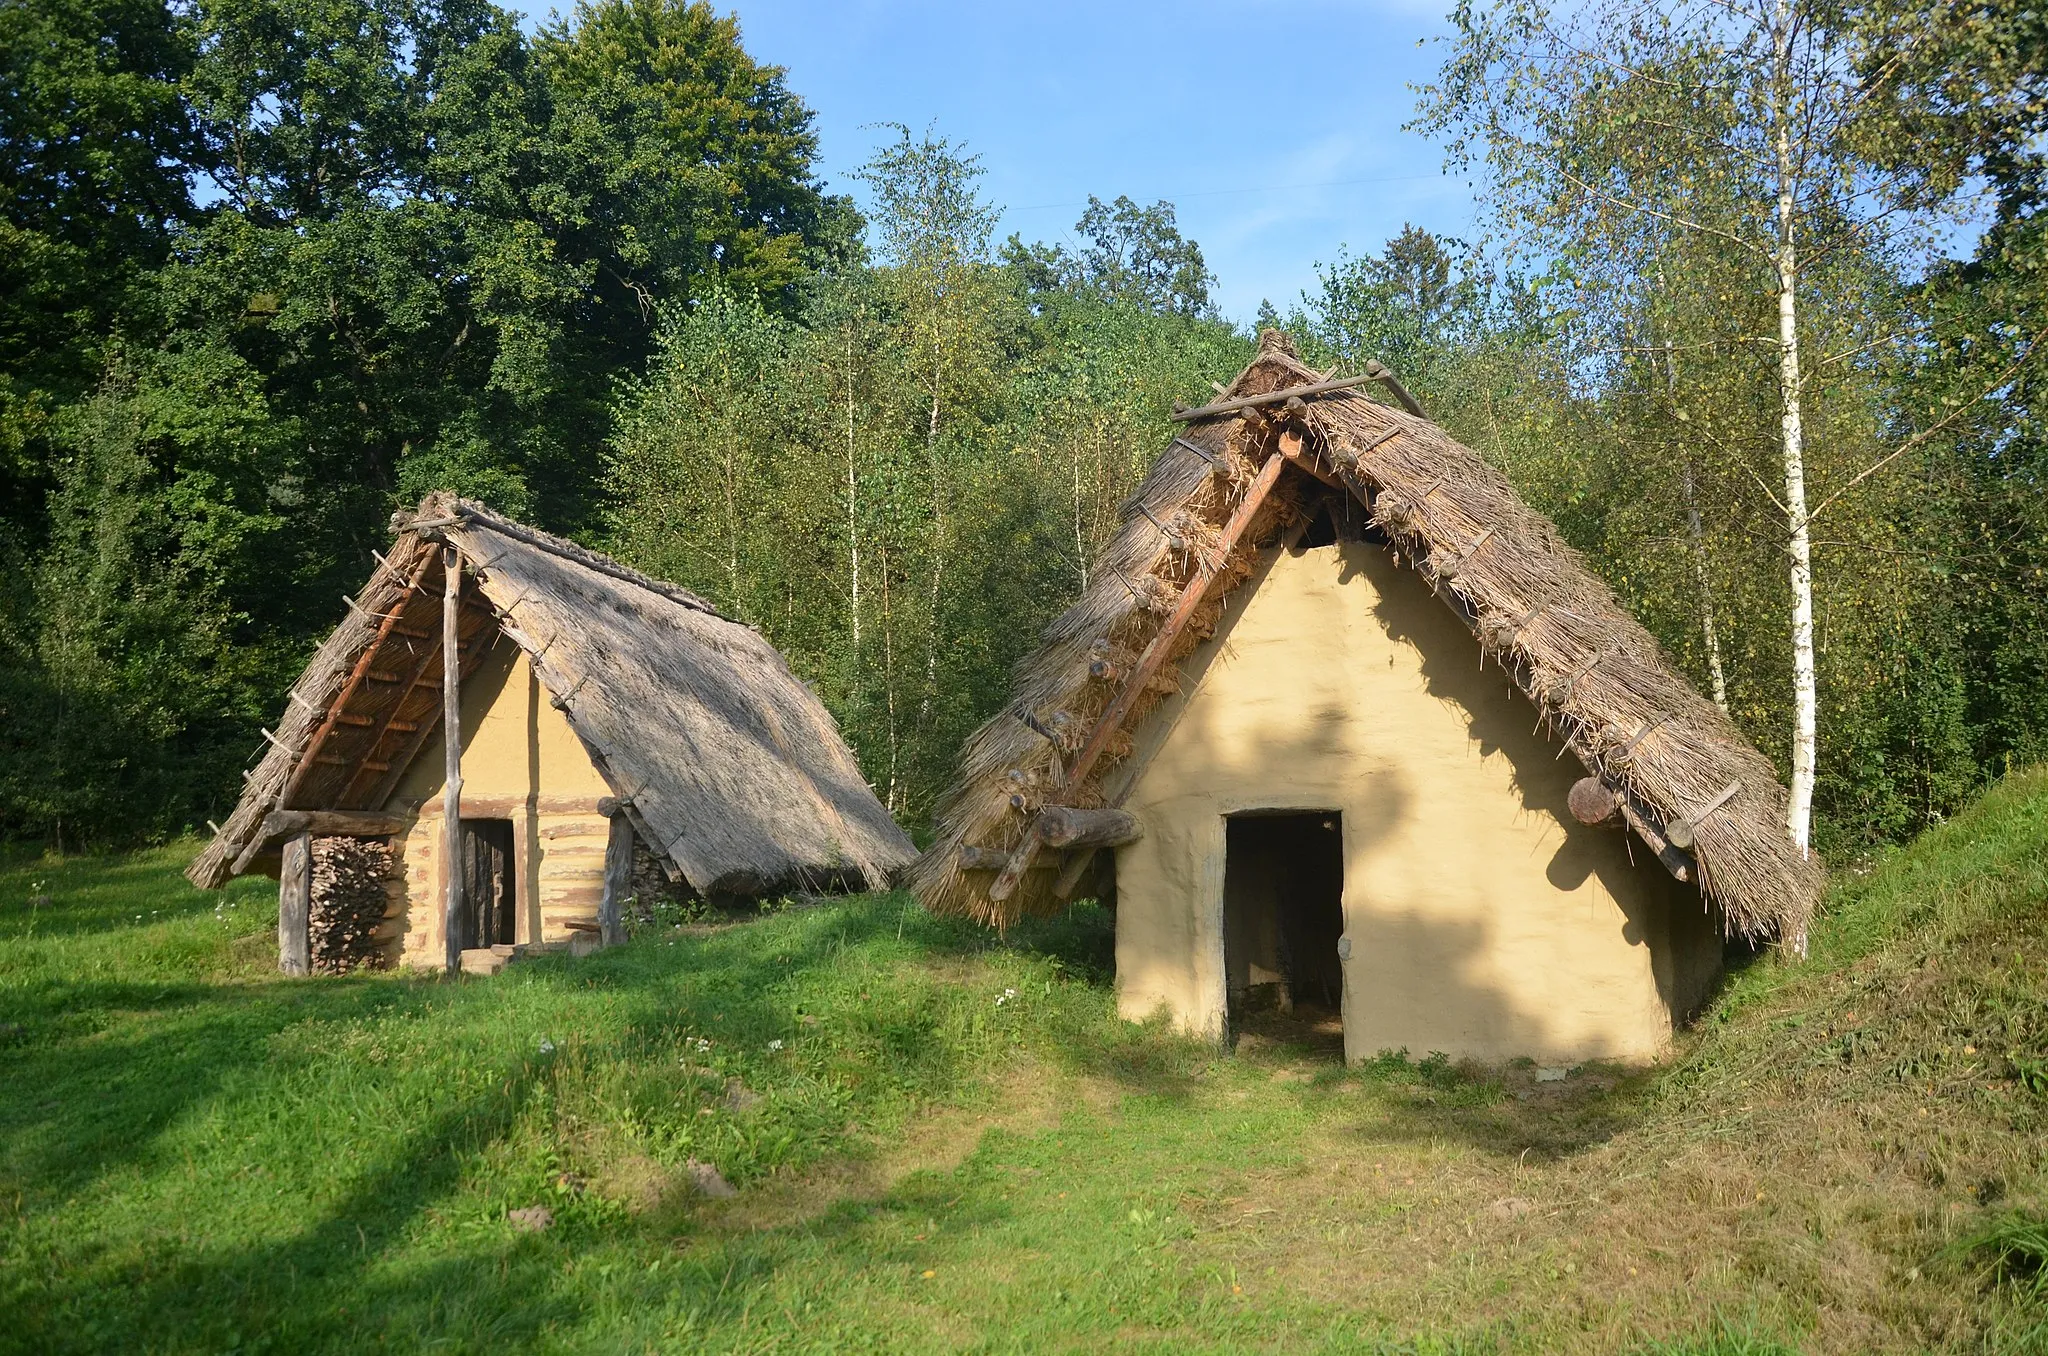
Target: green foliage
{"x": 274, "y": 267}
{"x": 903, "y": 485}
{"x": 1135, "y": 256}
{"x": 1632, "y": 158}
{"x": 93, "y": 142}
{"x": 282, "y": 265}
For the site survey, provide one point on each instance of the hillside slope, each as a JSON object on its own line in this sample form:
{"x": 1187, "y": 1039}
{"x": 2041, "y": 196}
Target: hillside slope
{"x": 944, "y": 1140}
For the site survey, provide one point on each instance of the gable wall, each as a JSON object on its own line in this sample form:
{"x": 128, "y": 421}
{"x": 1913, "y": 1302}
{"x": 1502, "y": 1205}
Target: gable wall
{"x": 520, "y": 761}
{"x": 1484, "y": 921}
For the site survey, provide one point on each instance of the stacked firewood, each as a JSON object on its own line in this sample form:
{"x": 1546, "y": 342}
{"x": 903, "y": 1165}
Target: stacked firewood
{"x": 348, "y": 903}
{"x": 651, "y": 885}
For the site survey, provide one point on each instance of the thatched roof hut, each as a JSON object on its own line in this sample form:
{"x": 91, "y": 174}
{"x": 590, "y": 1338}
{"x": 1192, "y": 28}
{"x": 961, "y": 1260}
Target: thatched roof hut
{"x": 1051, "y": 783}
{"x": 681, "y": 723}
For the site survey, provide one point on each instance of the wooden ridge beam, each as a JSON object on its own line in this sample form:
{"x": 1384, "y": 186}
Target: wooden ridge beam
{"x": 1064, "y": 826}
{"x": 1292, "y": 446}
{"x": 1236, "y": 403}
{"x": 282, "y": 824}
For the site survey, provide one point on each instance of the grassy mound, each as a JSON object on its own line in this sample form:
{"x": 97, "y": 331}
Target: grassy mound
{"x": 941, "y": 1139}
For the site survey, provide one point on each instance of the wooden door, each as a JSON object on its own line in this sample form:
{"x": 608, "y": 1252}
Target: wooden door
{"x": 489, "y": 902}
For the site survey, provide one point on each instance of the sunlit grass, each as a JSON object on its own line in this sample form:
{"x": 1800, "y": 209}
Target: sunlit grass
{"x": 942, "y": 1139}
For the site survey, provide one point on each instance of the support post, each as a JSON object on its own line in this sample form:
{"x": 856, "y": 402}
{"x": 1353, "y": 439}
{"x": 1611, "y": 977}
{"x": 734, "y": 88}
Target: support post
{"x": 295, "y": 907}
{"x": 451, "y": 749}
{"x": 618, "y": 881}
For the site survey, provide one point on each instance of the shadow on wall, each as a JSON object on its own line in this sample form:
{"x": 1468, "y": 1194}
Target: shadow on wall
{"x": 1655, "y": 907}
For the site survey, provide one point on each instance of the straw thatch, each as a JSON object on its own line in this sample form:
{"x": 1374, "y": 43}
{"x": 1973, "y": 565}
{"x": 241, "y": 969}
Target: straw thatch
{"x": 729, "y": 767}
{"x": 1597, "y": 678}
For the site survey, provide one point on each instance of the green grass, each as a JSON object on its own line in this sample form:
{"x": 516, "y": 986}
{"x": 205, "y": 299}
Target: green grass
{"x": 944, "y": 1140}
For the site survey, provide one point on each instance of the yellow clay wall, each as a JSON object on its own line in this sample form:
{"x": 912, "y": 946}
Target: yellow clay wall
{"x": 520, "y": 761}
{"x": 1484, "y": 921}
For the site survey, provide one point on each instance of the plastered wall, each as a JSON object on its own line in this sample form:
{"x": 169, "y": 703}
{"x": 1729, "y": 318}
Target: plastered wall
{"x": 1484, "y": 922}
{"x": 520, "y": 761}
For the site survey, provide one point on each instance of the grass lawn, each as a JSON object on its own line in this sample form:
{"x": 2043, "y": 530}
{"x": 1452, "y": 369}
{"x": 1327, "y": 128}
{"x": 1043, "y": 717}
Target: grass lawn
{"x": 942, "y": 1140}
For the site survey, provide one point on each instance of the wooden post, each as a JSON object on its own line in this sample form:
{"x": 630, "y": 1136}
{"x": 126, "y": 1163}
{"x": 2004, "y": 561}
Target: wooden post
{"x": 1005, "y": 883}
{"x": 618, "y": 881}
{"x": 451, "y": 750}
{"x": 295, "y": 907}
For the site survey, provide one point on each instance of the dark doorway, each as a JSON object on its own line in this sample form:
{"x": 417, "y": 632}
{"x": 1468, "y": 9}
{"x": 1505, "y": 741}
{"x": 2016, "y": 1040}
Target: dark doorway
{"x": 489, "y": 901}
{"x": 1283, "y": 912}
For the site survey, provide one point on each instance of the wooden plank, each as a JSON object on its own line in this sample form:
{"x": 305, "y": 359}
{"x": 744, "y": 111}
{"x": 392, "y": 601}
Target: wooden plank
{"x": 295, "y": 907}
{"x": 1071, "y": 870}
{"x": 451, "y": 754}
{"x": 618, "y": 881}
{"x": 1270, "y": 398}
{"x": 1292, "y": 447}
{"x": 1157, "y": 653}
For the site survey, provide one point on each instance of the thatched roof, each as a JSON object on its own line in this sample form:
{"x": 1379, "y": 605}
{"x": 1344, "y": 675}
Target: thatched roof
{"x": 729, "y": 766}
{"x": 1600, "y": 682}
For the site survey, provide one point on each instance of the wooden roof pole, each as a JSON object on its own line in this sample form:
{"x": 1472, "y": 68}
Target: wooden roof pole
{"x": 1149, "y": 664}
{"x": 339, "y": 703}
{"x": 1191, "y": 597}
{"x": 451, "y": 744}
{"x": 1236, "y": 403}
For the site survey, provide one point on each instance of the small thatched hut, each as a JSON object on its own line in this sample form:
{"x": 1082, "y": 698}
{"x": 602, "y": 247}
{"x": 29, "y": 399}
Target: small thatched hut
{"x": 587, "y": 716}
{"x": 1268, "y": 730}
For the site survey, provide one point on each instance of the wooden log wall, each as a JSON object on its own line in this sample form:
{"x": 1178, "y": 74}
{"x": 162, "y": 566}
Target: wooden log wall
{"x": 559, "y": 845}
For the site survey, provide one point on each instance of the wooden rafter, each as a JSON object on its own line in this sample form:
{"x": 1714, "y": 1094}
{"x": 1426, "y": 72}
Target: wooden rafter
{"x": 341, "y": 761}
{"x": 468, "y": 650}
{"x": 356, "y": 678}
{"x": 409, "y": 682}
{"x": 1161, "y": 649}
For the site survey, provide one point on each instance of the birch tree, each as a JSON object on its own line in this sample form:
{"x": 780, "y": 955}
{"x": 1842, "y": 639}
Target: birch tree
{"x": 1744, "y": 124}
{"x": 932, "y": 228}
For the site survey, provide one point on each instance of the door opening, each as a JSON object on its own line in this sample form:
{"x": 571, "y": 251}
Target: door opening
{"x": 1283, "y": 912}
{"x": 489, "y": 915}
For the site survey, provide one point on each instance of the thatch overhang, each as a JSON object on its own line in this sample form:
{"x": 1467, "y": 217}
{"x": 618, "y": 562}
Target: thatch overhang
{"x": 730, "y": 768}
{"x": 1231, "y": 487}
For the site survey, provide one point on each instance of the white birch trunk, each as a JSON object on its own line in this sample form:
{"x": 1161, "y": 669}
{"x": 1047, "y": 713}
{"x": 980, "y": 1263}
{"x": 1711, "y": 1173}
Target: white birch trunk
{"x": 852, "y": 520}
{"x": 1805, "y": 699}
{"x": 1710, "y": 637}
{"x": 931, "y": 653}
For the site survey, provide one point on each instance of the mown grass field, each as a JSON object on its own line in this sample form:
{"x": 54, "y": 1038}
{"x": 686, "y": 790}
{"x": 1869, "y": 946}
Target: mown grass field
{"x": 945, "y": 1141}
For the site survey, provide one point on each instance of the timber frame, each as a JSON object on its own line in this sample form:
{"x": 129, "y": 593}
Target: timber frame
{"x": 716, "y": 756}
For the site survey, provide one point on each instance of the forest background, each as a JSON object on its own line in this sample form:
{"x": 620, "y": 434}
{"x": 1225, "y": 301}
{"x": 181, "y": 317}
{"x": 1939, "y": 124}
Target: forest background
{"x": 270, "y": 269}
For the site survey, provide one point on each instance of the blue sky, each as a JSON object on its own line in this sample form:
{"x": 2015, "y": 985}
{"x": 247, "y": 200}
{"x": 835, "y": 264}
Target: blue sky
{"x": 1274, "y": 127}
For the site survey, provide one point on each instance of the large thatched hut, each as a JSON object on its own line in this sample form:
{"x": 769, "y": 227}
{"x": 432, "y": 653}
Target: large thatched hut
{"x": 509, "y": 735}
{"x": 1308, "y": 727}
